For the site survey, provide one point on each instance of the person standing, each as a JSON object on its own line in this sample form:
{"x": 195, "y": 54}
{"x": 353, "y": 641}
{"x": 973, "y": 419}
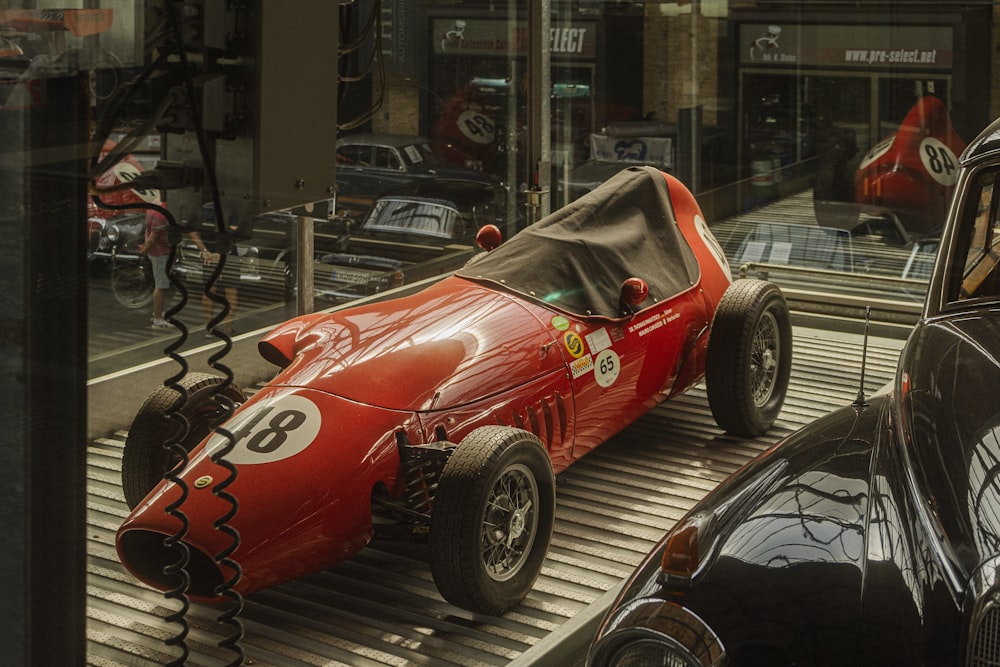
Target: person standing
{"x": 156, "y": 246}
{"x": 212, "y": 245}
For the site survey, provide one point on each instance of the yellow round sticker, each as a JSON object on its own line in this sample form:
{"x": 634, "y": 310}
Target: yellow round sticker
{"x": 574, "y": 344}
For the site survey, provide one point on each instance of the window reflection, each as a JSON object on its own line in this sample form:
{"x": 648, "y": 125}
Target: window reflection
{"x": 979, "y": 244}
{"x": 984, "y": 491}
{"x": 768, "y": 116}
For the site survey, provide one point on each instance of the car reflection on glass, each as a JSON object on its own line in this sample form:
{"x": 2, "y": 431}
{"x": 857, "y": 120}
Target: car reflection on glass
{"x": 371, "y": 165}
{"x": 402, "y": 238}
{"x": 113, "y": 250}
{"x": 871, "y": 536}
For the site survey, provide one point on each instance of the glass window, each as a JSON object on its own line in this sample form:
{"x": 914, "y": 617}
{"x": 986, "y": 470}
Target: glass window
{"x": 820, "y": 140}
{"x": 975, "y": 274}
{"x": 356, "y": 155}
{"x": 386, "y": 158}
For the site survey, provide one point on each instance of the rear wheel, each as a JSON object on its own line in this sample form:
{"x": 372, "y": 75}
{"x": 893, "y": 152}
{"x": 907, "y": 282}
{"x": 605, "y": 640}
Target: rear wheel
{"x": 492, "y": 519}
{"x": 749, "y": 357}
{"x": 145, "y": 459}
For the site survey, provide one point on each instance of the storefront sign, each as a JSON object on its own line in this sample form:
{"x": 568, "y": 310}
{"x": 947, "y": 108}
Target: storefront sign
{"x": 847, "y": 46}
{"x": 633, "y": 150}
{"x": 495, "y": 38}
{"x": 397, "y": 45}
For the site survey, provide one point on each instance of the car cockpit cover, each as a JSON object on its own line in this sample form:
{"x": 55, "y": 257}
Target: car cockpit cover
{"x": 576, "y": 258}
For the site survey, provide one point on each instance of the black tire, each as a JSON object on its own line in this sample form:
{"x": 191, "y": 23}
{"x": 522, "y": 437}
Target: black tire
{"x": 749, "y": 358}
{"x": 502, "y": 477}
{"x": 144, "y": 459}
{"x": 132, "y": 282}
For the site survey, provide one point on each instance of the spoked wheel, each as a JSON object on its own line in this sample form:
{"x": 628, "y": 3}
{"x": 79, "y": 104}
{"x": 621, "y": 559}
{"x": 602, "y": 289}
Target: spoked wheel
{"x": 145, "y": 459}
{"x": 749, "y": 357}
{"x": 492, "y": 519}
{"x": 132, "y": 282}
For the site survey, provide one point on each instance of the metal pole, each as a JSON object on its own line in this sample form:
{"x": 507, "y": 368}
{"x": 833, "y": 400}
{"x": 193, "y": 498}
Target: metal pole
{"x": 304, "y": 302}
{"x": 539, "y": 115}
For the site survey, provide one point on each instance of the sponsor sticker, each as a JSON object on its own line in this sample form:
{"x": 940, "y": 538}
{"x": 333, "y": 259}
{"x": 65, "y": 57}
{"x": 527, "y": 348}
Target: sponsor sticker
{"x": 582, "y": 366}
{"x": 574, "y": 344}
{"x": 598, "y": 340}
{"x": 560, "y": 323}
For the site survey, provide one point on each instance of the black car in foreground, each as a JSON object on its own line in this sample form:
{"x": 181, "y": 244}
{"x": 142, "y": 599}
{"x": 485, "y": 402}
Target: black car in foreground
{"x": 872, "y": 536}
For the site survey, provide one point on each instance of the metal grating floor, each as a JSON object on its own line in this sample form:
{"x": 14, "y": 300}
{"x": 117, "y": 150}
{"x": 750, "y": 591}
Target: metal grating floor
{"x": 381, "y": 607}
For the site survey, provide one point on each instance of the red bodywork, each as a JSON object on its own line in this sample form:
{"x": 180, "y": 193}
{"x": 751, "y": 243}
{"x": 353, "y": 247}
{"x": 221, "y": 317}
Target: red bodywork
{"x": 912, "y": 173}
{"x": 124, "y": 171}
{"x": 313, "y": 446}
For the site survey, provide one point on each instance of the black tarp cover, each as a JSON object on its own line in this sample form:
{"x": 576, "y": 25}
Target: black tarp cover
{"x": 576, "y": 258}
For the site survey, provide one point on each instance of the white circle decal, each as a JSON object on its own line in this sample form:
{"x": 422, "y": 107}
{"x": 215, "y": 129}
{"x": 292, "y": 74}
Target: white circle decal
{"x": 476, "y": 126}
{"x": 270, "y": 430}
{"x": 713, "y": 244}
{"x": 939, "y": 161}
{"x": 607, "y": 366}
{"x": 877, "y": 151}
{"x": 127, "y": 172}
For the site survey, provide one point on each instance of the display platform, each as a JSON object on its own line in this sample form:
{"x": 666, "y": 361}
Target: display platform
{"x": 382, "y": 608}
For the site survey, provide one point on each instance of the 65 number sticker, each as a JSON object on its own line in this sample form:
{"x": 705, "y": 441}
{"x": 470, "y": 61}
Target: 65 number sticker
{"x": 607, "y": 366}
{"x": 271, "y": 430}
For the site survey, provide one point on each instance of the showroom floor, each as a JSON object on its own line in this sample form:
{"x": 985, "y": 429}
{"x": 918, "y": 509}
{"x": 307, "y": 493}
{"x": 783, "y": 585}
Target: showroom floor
{"x": 381, "y": 607}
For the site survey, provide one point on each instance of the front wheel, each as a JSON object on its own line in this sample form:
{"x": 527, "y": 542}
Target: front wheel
{"x": 749, "y": 358}
{"x": 132, "y": 281}
{"x": 145, "y": 459}
{"x": 492, "y": 519}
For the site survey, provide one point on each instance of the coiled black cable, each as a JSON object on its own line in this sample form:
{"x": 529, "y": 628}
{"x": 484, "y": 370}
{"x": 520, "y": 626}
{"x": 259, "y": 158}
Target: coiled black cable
{"x": 175, "y": 541}
{"x": 229, "y": 617}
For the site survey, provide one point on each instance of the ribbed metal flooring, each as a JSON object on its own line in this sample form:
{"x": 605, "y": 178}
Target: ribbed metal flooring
{"x": 381, "y": 607}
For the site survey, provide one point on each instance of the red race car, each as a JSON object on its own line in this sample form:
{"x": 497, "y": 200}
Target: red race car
{"x": 909, "y": 176}
{"x": 449, "y": 412}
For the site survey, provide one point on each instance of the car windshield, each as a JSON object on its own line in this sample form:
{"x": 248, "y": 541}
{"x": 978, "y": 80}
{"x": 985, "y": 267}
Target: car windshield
{"x": 577, "y": 258}
{"x": 427, "y": 218}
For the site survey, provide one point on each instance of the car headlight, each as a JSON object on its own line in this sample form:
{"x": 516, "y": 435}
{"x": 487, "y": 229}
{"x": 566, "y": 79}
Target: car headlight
{"x": 650, "y": 653}
{"x": 112, "y": 232}
{"x": 652, "y": 632}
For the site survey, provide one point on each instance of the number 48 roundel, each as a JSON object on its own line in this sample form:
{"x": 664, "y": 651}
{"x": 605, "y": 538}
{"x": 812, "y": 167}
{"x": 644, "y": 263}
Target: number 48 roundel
{"x": 939, "y": 161}
{"x": 270, "y": 430}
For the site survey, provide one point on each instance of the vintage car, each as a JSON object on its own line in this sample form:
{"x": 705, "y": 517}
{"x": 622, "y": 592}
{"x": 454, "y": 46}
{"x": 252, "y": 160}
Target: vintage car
{"x": 447, "y": 412}
{"x": 872, "y": 536}
{"x": 116, "y": 226}
{"x": 371, "y": 165}
{"x": 401, "y": 238}
{"x": 115, "y": 249}
{"x": 902, "y": 185}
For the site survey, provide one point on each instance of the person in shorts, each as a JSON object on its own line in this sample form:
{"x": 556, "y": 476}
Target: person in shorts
{"x": 210, "y": 250}
{"x": 156, "y": 246}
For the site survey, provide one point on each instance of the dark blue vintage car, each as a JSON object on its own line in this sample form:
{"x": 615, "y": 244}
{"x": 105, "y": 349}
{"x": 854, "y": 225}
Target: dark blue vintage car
{"x": 872, "y": 536}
